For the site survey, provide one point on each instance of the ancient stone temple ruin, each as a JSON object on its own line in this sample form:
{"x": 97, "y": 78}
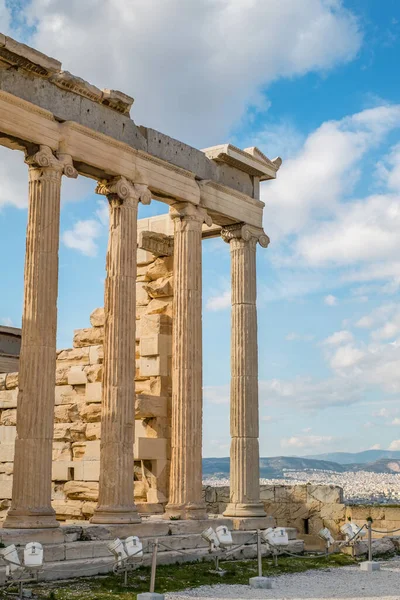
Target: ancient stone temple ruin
{"x": 112, "y": 428}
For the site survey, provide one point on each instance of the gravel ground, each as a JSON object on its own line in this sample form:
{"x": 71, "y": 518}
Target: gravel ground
{"x": 333, "y": 584}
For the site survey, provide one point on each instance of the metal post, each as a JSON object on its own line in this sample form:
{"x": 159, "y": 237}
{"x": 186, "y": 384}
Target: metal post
{"x": 21, "y": 590}
{"x": 369, "y": 526}
{"x": 126, "y": 577}
{"x": 153, "y": 567}
{"x": 259, "y": 553}
{"x": 275, "y": 558}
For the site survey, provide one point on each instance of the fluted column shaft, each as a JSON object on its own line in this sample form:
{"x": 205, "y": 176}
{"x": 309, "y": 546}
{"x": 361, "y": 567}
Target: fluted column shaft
{"x": 116, "y": 493}
{"x": 244, "y": 462}
{"x": 185, "y": 497}
{"x": 31, "y": 495}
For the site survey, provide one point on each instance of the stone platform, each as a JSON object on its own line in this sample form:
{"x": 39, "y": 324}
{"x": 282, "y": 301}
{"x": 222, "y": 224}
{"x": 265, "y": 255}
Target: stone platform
{"x": 80, "y": 550}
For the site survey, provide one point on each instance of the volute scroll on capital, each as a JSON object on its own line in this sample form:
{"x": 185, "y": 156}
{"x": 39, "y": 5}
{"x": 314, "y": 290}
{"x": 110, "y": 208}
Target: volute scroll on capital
{"x": 45, "y": 158}
{"x": 185, "y": 211}
{"x": 247, "y": 233}
{"x": 124, "y": 191}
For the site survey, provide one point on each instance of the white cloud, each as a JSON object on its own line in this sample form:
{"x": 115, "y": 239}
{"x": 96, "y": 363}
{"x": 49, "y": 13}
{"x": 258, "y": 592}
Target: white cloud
{"x": 330, "y": 300}
{"x": 13, "y": 178}
{"x": 306, "y": 441}
{"x": 396, "y": 421}
{"x": 395, "y": 445}
{"x": 346, "y": 356}
{"x": 339, "y": 337}
{"x": 218, "y": 394}
{"x": 375, "y": 447}
{"x": 219, "y": 302}
{"x": 296, "y": 337}
{"x": 83, "y": 236}
{"x": 220, "y": 40}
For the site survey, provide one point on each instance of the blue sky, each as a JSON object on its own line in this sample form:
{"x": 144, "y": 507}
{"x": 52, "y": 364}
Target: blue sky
{"x": 314, "y": 81}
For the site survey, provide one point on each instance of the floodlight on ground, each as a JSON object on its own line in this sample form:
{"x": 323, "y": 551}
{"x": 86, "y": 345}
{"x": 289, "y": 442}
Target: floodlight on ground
{"x": 224, "y": 536}
{"x": 117, "y": 548}
{"x": 33, "y": 555}
{"x": 133, "y": 546}
{"x": 211, "y": 537}
{"x": 275, "y": 536}
{"x": 326, "y": 535}
{"x": 10, "y": 556}
{"x": 352, "y": 531}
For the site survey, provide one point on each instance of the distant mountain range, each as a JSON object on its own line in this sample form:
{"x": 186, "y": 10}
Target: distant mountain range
{"x": 376, "y": 461}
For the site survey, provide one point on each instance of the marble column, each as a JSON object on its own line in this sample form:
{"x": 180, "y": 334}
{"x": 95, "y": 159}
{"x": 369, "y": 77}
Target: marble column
{"x": 244, "y": 464}
{"x": 185, "y": 496}
{"x": 31, "y": 494}
{"x": 116, "y": 501}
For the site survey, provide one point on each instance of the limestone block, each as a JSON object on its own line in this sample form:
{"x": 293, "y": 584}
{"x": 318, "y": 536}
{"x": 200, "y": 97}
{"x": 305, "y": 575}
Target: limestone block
{"x": 149, "y": 325}
{"x": 62, "y": 470}
{"x": 89, "y": 450}
{"x": 88, "y": 509}
{"x": 74, "y": 356}
{"x": 62, "y": 431}
{"x": 335, "y": 512}
{"x": 147, "y": 406}
{"x": 11, "y": 381}
{"x": 8, "y": 398}
{"x": 9, "y": 417}
{"x": 91, "y": 470}
{"x": 61, "y": 451}
{"x": 8, "y": 468}
{"x": 96, "y": 354}
{"x": 158, "y": 244}
{"x": 159, "y": 306}
{"x": 150, "y": 448}
{"x": 78, "y": 432}
{"x": 67, "y": 511}
{"x": 81, "y": 490}
{"x": 161, "y": 267}
{"x": 93, "y": 392}
{"x": 140, "y": 489}
{"x": 61, "y": 414}
{"x": 94, "y": 373}
{"x": 6, "y": 489}
{"x": 299, "y": 493}
{"x": 160, "y": 386}
{"x": 210, "y": 494}
{"x": 97, "y": 318}
{"x": 3, "y": 381}
{"x": 93, "y": 431}
{"x": 153, "y": 345}
{"x": 154, "y": 366}
{"x": 315, "y": 524}
{"x": 142, "y": 298}
{"x": 77, "y": 376}
{"x": 7, "y": 434}
{"x": 326, "y": 494}
{"x": 223, "y": 493}
{"x": 64, "y": 394}
{"x": 160, "y": 287}
{"x": 144, "y": 258}
{"x": 62, "y": 375}
{"x": 7, "y": 452}
{"x": 92, "y": 336}
{"x": 267, "y": 493}
{"x": 392, "y": 514}
{"x": 91, "y": 413}
{"x": 282, "y": 493}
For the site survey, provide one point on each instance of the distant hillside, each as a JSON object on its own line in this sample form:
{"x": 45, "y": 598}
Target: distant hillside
{"x": 347, "y": 458}
{"x": 271, "y": 467}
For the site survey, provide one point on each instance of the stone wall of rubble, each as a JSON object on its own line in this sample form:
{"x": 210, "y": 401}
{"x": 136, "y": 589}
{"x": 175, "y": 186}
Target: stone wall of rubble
{"x": 77, "y": 428}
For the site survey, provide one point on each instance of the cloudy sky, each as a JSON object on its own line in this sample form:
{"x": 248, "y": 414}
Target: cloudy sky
{"x": 314, "y": 81}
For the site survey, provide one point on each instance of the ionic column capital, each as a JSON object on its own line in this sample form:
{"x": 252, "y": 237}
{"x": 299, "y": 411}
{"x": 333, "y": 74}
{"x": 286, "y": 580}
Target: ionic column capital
{"x": 185, "y": 211}
{"x": 44, "y": 158}
{"x": 247, "y": 233}
{"x": 124, "y": 191}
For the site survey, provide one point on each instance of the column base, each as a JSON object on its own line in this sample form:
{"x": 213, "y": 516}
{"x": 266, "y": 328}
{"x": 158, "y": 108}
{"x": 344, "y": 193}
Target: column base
{"x": 18, "y": 519}
{"x": 188, "y": 511}
{"x": 115, "y": 516}
{"x": 247, "y": 509}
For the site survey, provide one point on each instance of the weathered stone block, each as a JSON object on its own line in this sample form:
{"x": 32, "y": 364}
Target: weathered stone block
{"x": 161, "y": 267}
{"x": 93, "y": 431}
{"x": 7, "y": 434}
{"x": 160, "y": 287}
{"x": 153, "y": 345}
{"x": 94, "y": 373}
{"x": 8, "y": 398}
{"x": 92, "y": 336}
{"x": 154, "y": 366}
{"x": 3, "y": 381}
{"x": 61, "y": 413}
{"x": 9, "y": 417}
{"x": 91, "y": 412}
{"x": 11, "y": 381}
{"x": 143, "y": 257}
{"x": 147, "y": 406}
{"x": 150, "y": 448}
{"x": 159, "y": 306}
{"x": 153, "y": 324}
{"x": 93, "y": 392}
{"x": 142, "y": 297}
{"x": 61, "y": 451}
{"x": 74, "y": 356}
{"x": 62, "y": 431}
{"x": 326, "y": 494}
{"x": 6, "y": 489}
{"x": 77, "y": 376}
{"x": 78, "y": 432}
{"x": 6, "y": 453}
{"x": 96, "y": 354}
{"x": 62, "y": 375}
{"x": 335, "y": 512}
{"x": 81, "y": 490}
{"x": 97, "y": 318}
{"x": 64, "y": 394}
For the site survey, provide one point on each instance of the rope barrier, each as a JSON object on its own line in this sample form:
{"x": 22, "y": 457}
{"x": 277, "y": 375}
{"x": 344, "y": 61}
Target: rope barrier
{"x": 381, "y": 531}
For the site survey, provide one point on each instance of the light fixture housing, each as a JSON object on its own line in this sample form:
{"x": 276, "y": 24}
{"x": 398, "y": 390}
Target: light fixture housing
{"x": 210, "y": 536}
{"x": 224, "y": 536}
{"x": 352, "y": 531}
{"x": 276, "y": 536}
{"x": 326, "y": 535}
{"x": 33, "y": 555}
{"x": 10, "y": 556}
{"x": 117, "y": 548}
{"x": 133, "y": 546}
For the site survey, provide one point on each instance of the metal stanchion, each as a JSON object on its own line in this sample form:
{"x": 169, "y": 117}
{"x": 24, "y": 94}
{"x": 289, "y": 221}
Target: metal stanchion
{"x": 259, "y": 558}
{"x": 151, "y": 595}
{"x": 260, "y": 582}
{"x": 369, "y": 565}
{"x": 369, "y": 526}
